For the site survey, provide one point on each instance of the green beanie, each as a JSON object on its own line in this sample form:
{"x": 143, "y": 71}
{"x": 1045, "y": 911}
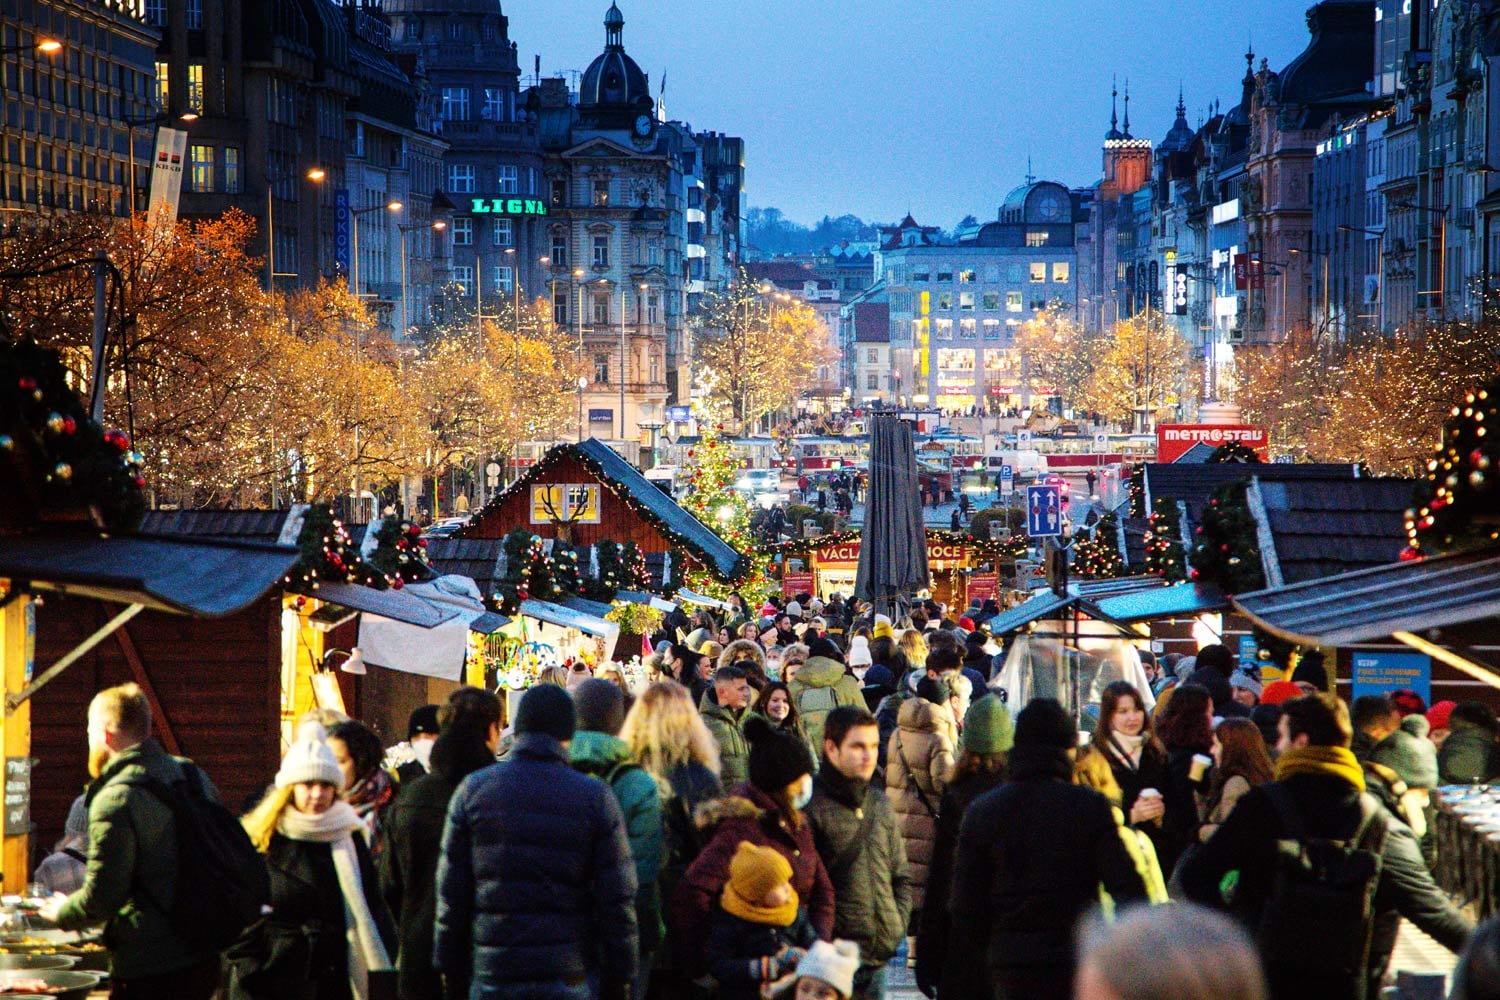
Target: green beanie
{"x": 987, "y": 727}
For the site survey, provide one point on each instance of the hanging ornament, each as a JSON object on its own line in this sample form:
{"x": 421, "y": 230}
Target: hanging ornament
{"x": 26, "y": 383}
{"x": 55, "y": 423}
{"x": 118, "y": 440}
{"x": 7, "y": 443}
{"x": 69, "y": 425}
{"x": 63, "y": 471}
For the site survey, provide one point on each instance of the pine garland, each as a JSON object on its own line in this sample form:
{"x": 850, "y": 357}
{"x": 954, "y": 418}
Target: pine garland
{"x": 1227, "y": 553}
{"x": 1164, "y": 550}
{"x": 400, "y": 553}
{"x": 329, "y": 555}
{"x": 1138, "y": 491}
{"x": 1457, "y": 506}
{"x": 1234, "y": 451}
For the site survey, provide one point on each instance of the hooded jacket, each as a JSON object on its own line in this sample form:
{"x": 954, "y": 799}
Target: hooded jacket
{"x": 408, "y": 866}
{"x": 1468, "y": 755}
{"x": 919, "y": 764}
{"x": 728, "y": 730}
{"x": 858, "y": 840}
{"x": 607, "y": 758}
{"x": 536, "y": 887}
{"x": 749, "y": 814}
{"x": 821, "y": 685}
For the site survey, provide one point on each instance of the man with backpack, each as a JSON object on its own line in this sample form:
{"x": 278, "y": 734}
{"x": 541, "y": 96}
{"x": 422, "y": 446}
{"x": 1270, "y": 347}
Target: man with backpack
{"x": 1325, "y": 873}
{"x": 598, "y": 750}
{"x": 139, "y": 884}
{"x": 821, "y": 685}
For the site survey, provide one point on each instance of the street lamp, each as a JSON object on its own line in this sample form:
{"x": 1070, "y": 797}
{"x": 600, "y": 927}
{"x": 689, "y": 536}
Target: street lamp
{"x": 314, "y": 174}
{"x": 354, "y": 214}
{"x": 436, "y": 224}
{"x": 46, "y": 46}
{"x": 1380, "y": 268}
{"x": 187, "y": 118}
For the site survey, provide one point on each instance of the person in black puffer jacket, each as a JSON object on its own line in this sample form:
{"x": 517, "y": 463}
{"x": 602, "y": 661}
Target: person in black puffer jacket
{"x": 470, "y": 732}
{"x": 536, "y": 886}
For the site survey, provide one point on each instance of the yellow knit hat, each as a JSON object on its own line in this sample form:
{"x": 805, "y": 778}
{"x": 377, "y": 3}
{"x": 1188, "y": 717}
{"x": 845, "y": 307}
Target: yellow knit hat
{"x": 753, "y": 873}
{"x": 883, "y": 630}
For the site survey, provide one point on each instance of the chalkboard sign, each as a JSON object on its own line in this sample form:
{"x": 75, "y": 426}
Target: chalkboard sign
{"x": 17, "y": 796}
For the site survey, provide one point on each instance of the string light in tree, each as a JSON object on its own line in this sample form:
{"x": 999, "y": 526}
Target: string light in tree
{"x": 1164, "y": 551}
{"x": 1457, "y": 505}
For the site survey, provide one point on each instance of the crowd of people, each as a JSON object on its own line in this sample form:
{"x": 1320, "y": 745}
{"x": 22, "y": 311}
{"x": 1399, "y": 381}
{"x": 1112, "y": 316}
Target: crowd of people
{"x": 798, "y": 795}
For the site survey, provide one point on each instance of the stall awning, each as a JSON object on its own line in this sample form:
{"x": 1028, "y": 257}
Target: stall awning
{"x": 1163, "y": 602}
{"x": 1034, "y": 608}
{"x": 563, "y": 617}
{"x": 596, "y": 608}
{"x": 413, "y": 647}
{"x": 397, "y": 605}
{"x": 488, "y": 623}
{"x": 201, "y": 577}
{"x": 1371, "y": 604}
{"x": 1096, "y": 590}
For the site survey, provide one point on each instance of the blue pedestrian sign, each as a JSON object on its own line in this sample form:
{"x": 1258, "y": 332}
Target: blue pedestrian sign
{"x": 1044, "y": 511}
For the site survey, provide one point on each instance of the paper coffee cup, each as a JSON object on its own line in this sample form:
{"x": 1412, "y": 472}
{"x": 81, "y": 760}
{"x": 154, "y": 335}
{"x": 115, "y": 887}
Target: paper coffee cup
{"x": 1149, "y": 793}
{"x": 1201, "y": 763}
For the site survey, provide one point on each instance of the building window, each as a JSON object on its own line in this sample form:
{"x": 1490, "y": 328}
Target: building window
{"x": 1061, "y": 271}
{"x": 991, "y": 301}
{"x": 455, "y": 106}
{"x": 601, "y": 309}
{"x": 461, "y": 178}
{"x": 503, "y": 278}
{"x": 494, "y": 105}
{"x": 601, "y": 251}
{"x": 968, "y": 329}
{"x": 1013, "y": 274}
{"x": 872, "y": 381}
{"x": 1036, "y": 238}
{"x": 991, "y": 273}
{"x": 463, "y": 277}
{"x": 944, "y": 329}
{"x": 1038, "y": 272}
{"x": 200, "y": 168}
{"x": 194, "y": 14}
{"x": 506, "y": 179}
{"x": 504, "y": 232}
{"x": 922, "y": 275}
{"x": 992, "y": 329}
{"x": 601, "y": 192}
{"x": 966, "y": 276}
{"x": 559, "y": 193}
{"x": 601, "y": 369}
{"x": 156, "y": 13}
{"x": 463, "y": 232}
{"x": 945, "y": 272}
{"x": 653, "y": 309}
{"x": 456, "y": 29}
{"x": 966, "y": 301}
{"x": 195, "y": 87}
{"x": 560, "y": 308}
{"x": 163, "y": 91}
{"x": 559, "y": 249}
{"x": 1013, "y": 302}
{"x": 945, "y": 300}
{"x": 233, "y": 184}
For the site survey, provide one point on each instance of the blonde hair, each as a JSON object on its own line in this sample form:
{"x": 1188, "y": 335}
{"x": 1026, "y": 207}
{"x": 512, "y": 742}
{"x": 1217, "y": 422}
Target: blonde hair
{"x": 797, "y": 652}
{"x": 915, "y": 648}
{"x": 123, "y": 709}
{"x": 260, "y": 822}
{"x": 553, "y": 675}
{"x": 664, "y": 731}
{"x": 325, "y": 717}
{"x": 742, "y": 649}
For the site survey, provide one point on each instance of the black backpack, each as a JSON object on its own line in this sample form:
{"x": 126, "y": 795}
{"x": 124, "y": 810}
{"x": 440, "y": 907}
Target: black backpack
{"x": 223, "y": 885}
{"x": 1320, "y": 914}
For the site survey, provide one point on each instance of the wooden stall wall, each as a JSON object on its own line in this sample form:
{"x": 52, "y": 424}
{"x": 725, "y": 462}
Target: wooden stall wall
{"x": 215, "y": 685}
{"x": 617, "y": 522}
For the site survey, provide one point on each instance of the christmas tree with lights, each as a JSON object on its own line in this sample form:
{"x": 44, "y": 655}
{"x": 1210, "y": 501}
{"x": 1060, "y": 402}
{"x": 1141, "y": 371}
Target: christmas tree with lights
{"x": 1164, "y": 552}
{"x": 713, "y": 500}
{"x": 1457, "y": 506}
{"x": 1096, "y": 556}
{"x": 1226, "y": 553}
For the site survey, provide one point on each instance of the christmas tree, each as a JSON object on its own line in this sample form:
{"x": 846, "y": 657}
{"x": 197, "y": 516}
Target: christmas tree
{"x": 1234, "y": 451}
{"x": 1227, "y": 553}
{"x": 713, "y": 500}
{"x": 1096, "y": 556}
{"x": 401, "y": 553}
{"x": 1164, "y": 553}
{"x": 563, "y": 565}
{"x": 528, "y": 571}
{"x": 1457, "y": 506}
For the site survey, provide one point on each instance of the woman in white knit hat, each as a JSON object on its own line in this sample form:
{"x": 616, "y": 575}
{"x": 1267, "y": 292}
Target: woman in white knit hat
{"x": 328, "y": 931}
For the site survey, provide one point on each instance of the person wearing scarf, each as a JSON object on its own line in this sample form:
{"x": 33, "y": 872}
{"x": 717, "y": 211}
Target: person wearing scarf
{"x": 327, "y": 932}
{"x": 1324, "y": 785}
{"x": 368, "y": 788}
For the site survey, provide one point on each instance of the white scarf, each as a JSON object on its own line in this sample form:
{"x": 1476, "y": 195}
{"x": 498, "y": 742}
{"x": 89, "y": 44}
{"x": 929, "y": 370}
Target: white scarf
{"x": 335, "y": 827}
{"x": 1131, "y": 745}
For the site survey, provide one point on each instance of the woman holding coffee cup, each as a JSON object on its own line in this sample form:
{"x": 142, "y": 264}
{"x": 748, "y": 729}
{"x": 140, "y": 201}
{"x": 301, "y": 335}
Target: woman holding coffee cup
{"x": 1240, "y": 763}
{"x": 1186, "y": 728}
{"x": 1135, "y": 755}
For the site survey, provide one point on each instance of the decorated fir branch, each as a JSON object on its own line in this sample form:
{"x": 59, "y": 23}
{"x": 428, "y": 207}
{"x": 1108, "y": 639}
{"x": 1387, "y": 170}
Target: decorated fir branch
{"x": 1164, "y": 549}
{"x": 1227, "y": 553}
{"x": 401, "y": 553}
{"x": 1096, "y": 556}
{"x": 1457, "y": 506}
{"x": 329, "y": 555}
{"x": 59, "y": 465}
{"x": 1138, "y": 491}
{"x": 1234, "y": 451}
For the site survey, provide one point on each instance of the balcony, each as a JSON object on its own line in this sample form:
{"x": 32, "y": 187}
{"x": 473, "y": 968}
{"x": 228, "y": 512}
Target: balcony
{"x": 479, "y": 131}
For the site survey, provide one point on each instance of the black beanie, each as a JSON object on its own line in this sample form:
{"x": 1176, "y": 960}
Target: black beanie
{"x": 1044, "y": 723}
{"x": 776, "y": 759}
{"x": 824, "y": 647}
{"x": 423, "y": 720}
{"x": 601, "y": 706}
{"x": 935, "y": 691}
{"x": 547, "y": 709}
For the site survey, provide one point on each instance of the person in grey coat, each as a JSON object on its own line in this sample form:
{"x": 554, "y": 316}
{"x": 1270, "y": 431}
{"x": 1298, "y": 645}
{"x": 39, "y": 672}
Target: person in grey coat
{"x": 536, "y": 886}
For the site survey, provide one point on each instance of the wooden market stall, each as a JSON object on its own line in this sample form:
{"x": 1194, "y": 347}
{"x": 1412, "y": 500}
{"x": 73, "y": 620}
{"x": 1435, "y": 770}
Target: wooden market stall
{"x": 962, "y": 567}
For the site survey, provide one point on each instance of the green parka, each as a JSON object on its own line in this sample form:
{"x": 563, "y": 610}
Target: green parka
{"x": 729, "y": 730}
{"x": 821, "y": 685}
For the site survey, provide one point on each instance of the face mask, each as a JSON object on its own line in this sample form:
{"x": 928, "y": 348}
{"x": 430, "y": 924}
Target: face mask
{"x": 804, "y": 792}
{"x": 422, "y": 750}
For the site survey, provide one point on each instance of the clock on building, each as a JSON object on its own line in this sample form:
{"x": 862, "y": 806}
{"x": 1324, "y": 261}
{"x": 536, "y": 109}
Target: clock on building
{"x": 643, "y": 126}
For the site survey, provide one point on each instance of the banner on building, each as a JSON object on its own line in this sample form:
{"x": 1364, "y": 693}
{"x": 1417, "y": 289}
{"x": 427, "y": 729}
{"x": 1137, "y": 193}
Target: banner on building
{"x": 343, "y": 231}
{"x": 1248, "y": 273}
{"x": 1173, "y": 440}
{"x": 166, "y": 170}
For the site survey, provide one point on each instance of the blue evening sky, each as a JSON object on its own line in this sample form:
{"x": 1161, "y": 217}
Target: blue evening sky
{"x": 877, "y": 106}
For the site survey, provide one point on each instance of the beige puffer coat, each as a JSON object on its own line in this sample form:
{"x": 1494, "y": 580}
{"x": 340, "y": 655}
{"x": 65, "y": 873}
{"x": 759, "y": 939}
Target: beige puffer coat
{"x": 919, "y": 756}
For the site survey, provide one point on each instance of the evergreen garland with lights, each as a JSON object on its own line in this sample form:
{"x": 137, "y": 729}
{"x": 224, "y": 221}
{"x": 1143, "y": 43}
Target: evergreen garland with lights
{"x": 1164, "y": 550}
{"x": 634, "y": 575}
{"x": 1096, "y": 556}
{"x": 56, "y": 463}
{"x": 401, "y": 553}
{"x": 563, "y": 568}
{"x": 1234, "y": 451}
{"x": 1457, "y": 506}
{"x": 329, "y": 555}
{"x": 528, "y": 571}
{"x": 1227, "y": 553}
{"x": 1138, "y": 491}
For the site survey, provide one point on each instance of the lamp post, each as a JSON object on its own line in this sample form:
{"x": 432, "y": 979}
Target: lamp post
{"x": 436, "y": 224}
{"x": 46, "y": 46}
{"x": 392, "y": 206}
{"x": 1379, "y": 267}
{"x": 314, "y": 174}
{"x": 186, "y": 118}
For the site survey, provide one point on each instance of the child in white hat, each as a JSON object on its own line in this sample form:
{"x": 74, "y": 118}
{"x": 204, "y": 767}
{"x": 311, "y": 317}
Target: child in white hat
{"x": 826, "y": 972}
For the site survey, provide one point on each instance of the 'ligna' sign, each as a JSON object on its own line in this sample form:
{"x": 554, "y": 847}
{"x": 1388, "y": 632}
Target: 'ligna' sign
{"x": 507, "y": 206}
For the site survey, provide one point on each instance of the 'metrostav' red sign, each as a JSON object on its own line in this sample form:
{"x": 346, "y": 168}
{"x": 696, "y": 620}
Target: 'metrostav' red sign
{"x": 1172, "y": 440}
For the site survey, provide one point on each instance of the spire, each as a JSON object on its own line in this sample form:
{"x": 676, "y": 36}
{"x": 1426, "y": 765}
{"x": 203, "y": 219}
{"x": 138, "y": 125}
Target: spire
{"x": 1114, "y": 118}
{"x": 1249, "y": 80}
{"x": 614, "y": 27}
{"x": 1029, "y": 175}
{"x": 1181, "y": 107}
{"x": 1127, "y": 107}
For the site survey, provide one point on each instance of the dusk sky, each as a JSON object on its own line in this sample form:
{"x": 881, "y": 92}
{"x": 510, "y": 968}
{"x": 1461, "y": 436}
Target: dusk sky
{"x": 875, "y": 107}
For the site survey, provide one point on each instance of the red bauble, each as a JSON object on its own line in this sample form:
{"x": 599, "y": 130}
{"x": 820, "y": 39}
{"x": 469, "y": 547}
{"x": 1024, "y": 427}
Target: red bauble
{"x": 692, "y": 452}
{"x": 299, "y": 603}
{"x": 69, "y": 425}
{"x": 1193, "y": 574}
{"x": 397, "y": 583}
{"x": 422, "y": 543}
{"x": 140, "y": 481}
{"x": 1476, "y": 456}
{"x": 118, "y": 440}
{"x": 1410, "y": 554}
{"x": 26, "y": 383}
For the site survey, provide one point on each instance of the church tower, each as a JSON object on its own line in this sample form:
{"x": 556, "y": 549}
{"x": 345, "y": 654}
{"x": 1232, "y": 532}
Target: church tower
{"x": 1127, "y": 160}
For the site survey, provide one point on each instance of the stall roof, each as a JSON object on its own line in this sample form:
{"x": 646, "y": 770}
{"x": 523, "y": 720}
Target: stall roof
{"x": 1037, "y": 606}
{"x": 203, "y": 577}
{"x": 488, "y": 623}
{"x": 596, "y": 608}
{"x": 565, "y": 617}
{"x": 241, "y": 525}
{"x": 1323, "y": 527}
{"x": 1192, "y": 483}
{"x": 476, "y": 558}
{"x": 1374, "y": 603}
{"x": 1162, "y": 602}
{"x": 392, "y": 604}
{"x": 1099, "y": 589}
